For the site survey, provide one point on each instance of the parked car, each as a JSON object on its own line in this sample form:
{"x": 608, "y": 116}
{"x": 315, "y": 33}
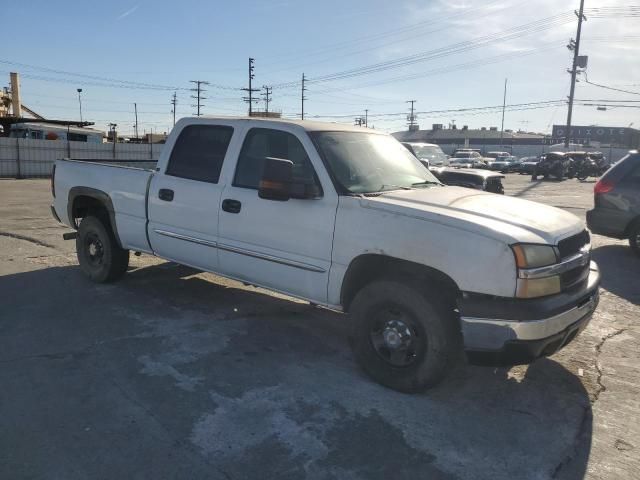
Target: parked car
{"x": 470, "y": 178}
{"x": 616, "y": 211}
{"x": 493, "y": 157}
{"x": 428, "y": 153}
{"x": 527, "y": 165}
{"x": 505, "y": 164}
{"x": 347, "y": 219}
{"x": 513, "y": 166}
{"x": 552, "y": 164}
{"x": 466, "y": 159}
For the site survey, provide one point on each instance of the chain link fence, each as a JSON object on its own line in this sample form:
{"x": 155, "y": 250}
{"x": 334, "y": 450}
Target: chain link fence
{"x": 29, "y": 158}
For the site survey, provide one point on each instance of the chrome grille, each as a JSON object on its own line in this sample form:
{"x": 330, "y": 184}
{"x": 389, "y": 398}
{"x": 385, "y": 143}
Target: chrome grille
{"x": 572, "y": 245}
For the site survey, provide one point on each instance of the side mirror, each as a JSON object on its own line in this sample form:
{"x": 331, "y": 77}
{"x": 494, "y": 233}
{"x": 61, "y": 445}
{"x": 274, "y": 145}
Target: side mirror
{"x": 275, "y": 183}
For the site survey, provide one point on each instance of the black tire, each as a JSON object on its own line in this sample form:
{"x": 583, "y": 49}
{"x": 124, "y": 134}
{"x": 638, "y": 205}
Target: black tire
{"x": 634, "y": 238}
{"x": 582, "y": 176}
{"x": 99, "y": 255}
{"x": 381, "y": 311}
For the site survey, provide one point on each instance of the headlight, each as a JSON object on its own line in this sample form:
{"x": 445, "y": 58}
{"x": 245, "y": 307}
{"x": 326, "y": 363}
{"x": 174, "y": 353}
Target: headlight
{"x": 533, "y": 256}
{"x": 530, "y": 257}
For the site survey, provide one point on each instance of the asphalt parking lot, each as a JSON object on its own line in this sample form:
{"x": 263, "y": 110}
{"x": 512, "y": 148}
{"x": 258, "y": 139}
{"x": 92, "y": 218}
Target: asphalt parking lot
{"x": 171, "y": 373}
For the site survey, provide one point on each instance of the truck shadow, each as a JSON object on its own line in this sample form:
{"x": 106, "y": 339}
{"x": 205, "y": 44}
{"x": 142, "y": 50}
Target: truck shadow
{"x": 619, "y": 268}
{"x": 250, "y": 382}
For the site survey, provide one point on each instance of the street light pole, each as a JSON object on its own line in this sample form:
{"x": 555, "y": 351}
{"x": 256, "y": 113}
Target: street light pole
{"x": 80, "y": 102}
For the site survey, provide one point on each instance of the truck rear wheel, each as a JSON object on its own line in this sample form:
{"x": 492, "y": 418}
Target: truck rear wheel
{"x": 99, "y": 255}
{"x": 403, "y": 339}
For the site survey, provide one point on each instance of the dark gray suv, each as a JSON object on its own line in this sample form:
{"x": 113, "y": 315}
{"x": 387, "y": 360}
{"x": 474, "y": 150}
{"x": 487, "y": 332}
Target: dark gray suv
{"x": 617, "y": 202}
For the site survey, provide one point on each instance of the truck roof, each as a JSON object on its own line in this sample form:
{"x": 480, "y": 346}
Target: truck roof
{"x": 309, "y": 125}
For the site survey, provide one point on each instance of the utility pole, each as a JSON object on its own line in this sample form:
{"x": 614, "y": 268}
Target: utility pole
{"x": 266, "y": 95}
{"x": 135, "y": 107}
{"x": 79, "y": 90}
{"x": 114, "y": 136}
{"x": 302, "y": 97}
{"x": 250, "y": 90}
{"x": 575, "y": 46}
{"x": 198, "y": 96}
{"x": 366, "y": 117}
{"x": 412, "y": 116}
{"x": 504, "y": 104}
{"x": 174, "y": 102}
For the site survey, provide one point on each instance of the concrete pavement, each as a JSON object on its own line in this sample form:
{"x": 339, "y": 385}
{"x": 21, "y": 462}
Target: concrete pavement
{"x": 171, "y": 373}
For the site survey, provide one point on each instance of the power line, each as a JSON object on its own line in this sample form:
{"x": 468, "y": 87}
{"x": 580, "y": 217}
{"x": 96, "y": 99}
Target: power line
{"x": 462, "y": 47}
{"x": 330, "y": 50}
{"x": 108, "y": 80}
{"x": 586, "y": 80}
{"x": 198, "y": 96}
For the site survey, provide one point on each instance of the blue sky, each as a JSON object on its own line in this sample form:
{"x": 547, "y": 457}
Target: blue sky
{"x": 60, "y": 46}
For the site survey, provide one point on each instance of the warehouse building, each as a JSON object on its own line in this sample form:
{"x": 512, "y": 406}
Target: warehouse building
{"x": 485, "y": 139}
{"x": 616, "y": 137}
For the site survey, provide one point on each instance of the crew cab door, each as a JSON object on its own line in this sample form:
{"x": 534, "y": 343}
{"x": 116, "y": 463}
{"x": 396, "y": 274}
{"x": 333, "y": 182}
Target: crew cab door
{"x": 282, "y": 245}
{"x": 184, "y": 199}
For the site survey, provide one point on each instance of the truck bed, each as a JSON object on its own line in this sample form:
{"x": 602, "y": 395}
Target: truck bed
{"x": 125, "y": 185}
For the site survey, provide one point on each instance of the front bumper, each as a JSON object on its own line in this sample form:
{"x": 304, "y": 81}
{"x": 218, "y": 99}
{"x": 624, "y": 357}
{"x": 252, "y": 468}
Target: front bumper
{"x": 501, "y": 331}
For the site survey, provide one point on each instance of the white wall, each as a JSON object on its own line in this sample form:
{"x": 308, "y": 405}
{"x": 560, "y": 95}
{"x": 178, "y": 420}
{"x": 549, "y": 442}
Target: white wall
{"x": 34, "y": 158}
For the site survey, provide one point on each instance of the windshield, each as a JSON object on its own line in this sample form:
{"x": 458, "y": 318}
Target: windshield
{"x": 463, "y": 155}
{"x": 429, "y": 152}
{"x": 369, "y": 163}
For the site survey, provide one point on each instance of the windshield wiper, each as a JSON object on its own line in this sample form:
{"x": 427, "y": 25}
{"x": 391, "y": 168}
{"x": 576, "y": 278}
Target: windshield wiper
{"x": 395, "y": 187}
{"x": 426, "y": 182}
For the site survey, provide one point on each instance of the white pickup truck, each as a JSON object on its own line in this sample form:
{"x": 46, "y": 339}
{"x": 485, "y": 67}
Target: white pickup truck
{"x": 348, "y": 219}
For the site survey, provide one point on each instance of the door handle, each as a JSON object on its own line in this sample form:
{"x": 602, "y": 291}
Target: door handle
{"x": 231, "y": 206}
{"x": 165, "y": 194}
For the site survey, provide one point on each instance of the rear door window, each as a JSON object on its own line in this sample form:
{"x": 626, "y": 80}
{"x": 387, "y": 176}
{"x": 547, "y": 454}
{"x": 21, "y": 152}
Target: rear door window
{"x": 199, "y": 152}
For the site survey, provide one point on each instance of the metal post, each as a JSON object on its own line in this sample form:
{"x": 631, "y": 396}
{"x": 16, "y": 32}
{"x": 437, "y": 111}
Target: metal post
{"x": 504, "y": 104}
{"x": 19, "y": 172}
{"x": 574, "y": 72}
{"x": 135, "y": 107}
{"x": 302, "y": 97}
{"x": 68, "y": 144}
{"x": 80, "y": 103}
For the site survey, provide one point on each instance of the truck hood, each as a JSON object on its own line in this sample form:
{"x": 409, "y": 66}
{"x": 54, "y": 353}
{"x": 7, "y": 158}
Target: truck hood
{"x": 499, "y": 216}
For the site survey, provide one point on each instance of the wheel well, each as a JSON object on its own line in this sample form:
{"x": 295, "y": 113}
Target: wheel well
{"x": 85, "y": 201}
{"x": 84, "y": 205}
{"x": 369, "y": 267}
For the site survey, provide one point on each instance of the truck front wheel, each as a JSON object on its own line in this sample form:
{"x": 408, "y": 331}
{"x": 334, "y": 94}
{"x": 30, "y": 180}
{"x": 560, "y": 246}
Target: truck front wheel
{"x": 403, "y": 338}
{"x": 99, "y": 255}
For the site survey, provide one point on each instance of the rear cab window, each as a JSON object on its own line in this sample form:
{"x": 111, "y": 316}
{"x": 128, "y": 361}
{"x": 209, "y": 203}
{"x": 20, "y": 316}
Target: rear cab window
{"x": 199, "y": 152}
